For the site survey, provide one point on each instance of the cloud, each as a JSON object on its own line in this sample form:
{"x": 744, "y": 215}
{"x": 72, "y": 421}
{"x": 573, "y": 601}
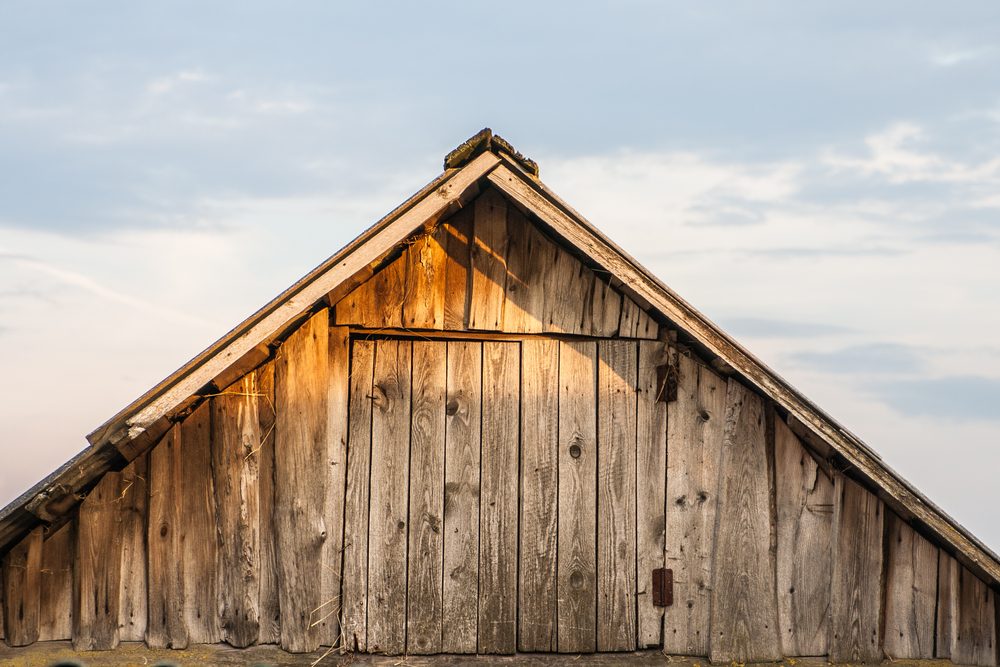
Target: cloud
{"x": 871, "y": 358}
{"x": 941, "y": 57}
{"x": 167, "y": 84}
{"x": 760, "y": 327}
{"x": 953, "y": 397}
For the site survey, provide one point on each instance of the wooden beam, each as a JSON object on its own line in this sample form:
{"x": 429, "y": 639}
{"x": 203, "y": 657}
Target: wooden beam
{"x": 22, "y": 587}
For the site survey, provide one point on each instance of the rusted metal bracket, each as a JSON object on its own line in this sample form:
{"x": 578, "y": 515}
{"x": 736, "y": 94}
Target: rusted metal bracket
{"x": 663, "y": 587}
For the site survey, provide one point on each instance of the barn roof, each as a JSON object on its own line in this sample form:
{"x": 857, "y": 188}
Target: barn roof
{"x": 482, "y": 161}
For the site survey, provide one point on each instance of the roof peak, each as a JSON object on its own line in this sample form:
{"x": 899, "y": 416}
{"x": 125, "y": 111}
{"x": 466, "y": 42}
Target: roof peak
{"x": 486, "y": 140}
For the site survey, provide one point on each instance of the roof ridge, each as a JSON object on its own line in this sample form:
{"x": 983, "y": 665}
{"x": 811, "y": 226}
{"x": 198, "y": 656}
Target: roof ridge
{"x": 486, "y": 140}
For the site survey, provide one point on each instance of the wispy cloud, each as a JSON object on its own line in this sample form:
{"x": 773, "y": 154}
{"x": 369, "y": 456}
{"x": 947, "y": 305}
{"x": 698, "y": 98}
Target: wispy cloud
{"x": 944, "y": 57}
{"x": 171, "y": 82}
{"x": 870, "y": 358}
{"x": 953, "y": 397}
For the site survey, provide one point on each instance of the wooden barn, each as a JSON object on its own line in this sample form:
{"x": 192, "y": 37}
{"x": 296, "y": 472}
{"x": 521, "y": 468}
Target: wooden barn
{"x": 483, "y": 428}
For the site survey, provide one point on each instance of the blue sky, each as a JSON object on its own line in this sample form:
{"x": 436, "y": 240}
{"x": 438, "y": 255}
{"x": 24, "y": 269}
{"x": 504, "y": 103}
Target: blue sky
{"x": 821, "y": 179}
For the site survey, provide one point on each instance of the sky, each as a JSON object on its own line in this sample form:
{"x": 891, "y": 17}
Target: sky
{"x": 820, "y": 179}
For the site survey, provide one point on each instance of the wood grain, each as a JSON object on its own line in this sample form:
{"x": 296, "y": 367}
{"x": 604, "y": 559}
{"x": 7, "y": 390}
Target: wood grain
{"x": 489, "y": 262}
{"x": 166, "y": 626}
{"x": 133, "y": 508}
{"x": 856, "y": 590}
{"x": 529, "y": 256}
{"x": 269, "y": 616}
{"x": 966, "y": 616}
{"x": 463, "y": 422}
{"x": 426, "y": 543}
{"x": 22, "y": 587}
{"x": 910, "y": 592}
{"x": 694, "y": 448}
{"x": 744, "y": 616}
{"x": 457, "y": 278}
{"x": 387, "y": 533}
{"x": 539, "y": 495}
{"x": 423, "y": 307}
{"x": 55, "y": 617}
{"x": 577, "y": 569}
{"x": 804, "y": 503}
{"x": 97, "y": 570}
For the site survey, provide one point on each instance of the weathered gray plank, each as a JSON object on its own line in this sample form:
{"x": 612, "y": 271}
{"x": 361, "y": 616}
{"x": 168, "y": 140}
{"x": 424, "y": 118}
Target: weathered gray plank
{"x": 22, "y": 588}
{"x": 539, "y": 494}
{"x": 55, "y": 617}
{"x": 235, "y": 448}
{"x": 498, "y": 516}
{"x": 635, "y": 322}
{"x": 489, "y": 262}
{"x": 856, "y": 589}
{"x": 354, "y": 588}
{"x": 616, "y": 479}
{"x": 425, "y": 282}
{"x": 300, "y": 466}
{"x": 694, "y": 448}
{"x": 744, "y": 617}
{"x": 133, "y": 509}
{"x": 166, "y": 627}
{"x": 577, "y": 570}
{"x": 463, "y": 422}
{"x": 966, "y": 616}
{"x": 910, "y": 592}
{"x": 199, "y": 529}
{"x": 651, "y": 484}
{"x": 269, "y": 616}
{"x": 602, "y": 311}
{"x": 458, "y": 230}
{"x": 97, "y": 571}
{"x": 804, "y": 503}
{"x": 389, "y": 492}
{"x": 424, "y": 583}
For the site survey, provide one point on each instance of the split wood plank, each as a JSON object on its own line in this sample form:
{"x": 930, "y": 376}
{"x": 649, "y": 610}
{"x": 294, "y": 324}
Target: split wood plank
{"x": 635, "y": 322}
{"x": 651, "y": 482}
{"x": 602, "y": 311}
{"x": 463, "y": 423}
{"x": 498, "y": 507}
{"x": 133, "y": 505}
{"x": 423, "y": 307}
{"x": 426, "y": 545}
{"x": 377, "y": 302}
{"x": 97, "y": 571}
{"x": 388, "y": 522}
{"x": 569, "y": 285}
{"x": 22, "y": 588}
{"x": 269, "y": 616}
{"x": 539, "y": 495}
{"x": 616, "y": 502}
{"x": 744, "y": 616}
{"x": 804, "y": 504}
{"x": 694, "y": 448}
{"x": 199, "y": 529}
{"x": 457, "y": 278}
{"x": 529, "y": 256}
{"x": 856, "y": 589}
{"x": 166, "y": 626}
{"x": 966, "y": 616}
{"x": 489, "y": 262}
{"x": 577, "y": 569}
{"x": 910, "y": 592}
{"x": 55, "y": 619}
{"x": 235, "y": 444}
{"x": 354, "y": 586}
{"x": 300, "y": 477}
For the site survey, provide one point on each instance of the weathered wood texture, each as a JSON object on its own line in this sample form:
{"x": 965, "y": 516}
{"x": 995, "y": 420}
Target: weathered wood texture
{"x": 910, "y": 592}
{"x": 166, "y": 627}
{"x": 577, "y": 567}
{"x": 488, "y": 268}
{"x": 804, "y": 522}
{"x": 616, "y": 478}
{"x": 97, "y": 570}
{"x": 694, "y": 448}
{"x": 744, "y": 614}
{"x": 55, "y": 607}
{"x": 133, "y": 508}
{"x": 22, "y": 588}
{"x": 539, "y": 495}
{"x": 966, "y": 616}
{"x": 856, "y": 589}
{"x": 328, "y": 614}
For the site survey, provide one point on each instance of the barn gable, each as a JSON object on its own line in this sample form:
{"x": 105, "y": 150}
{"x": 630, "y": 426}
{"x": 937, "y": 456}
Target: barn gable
{"x": 481, "y": 427}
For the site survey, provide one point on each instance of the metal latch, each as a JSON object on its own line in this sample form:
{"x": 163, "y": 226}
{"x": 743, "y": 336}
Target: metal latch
{"x": 663, "y": 587}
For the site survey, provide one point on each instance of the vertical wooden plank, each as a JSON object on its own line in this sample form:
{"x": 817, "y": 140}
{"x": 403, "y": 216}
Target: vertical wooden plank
{"x": 804, "y": 503}
{"x": 426, "y": 544}
{"x": 602, "y": 311}
{"x": 946, "y": 621}
{"x": 966, "y": 616}
{"x": 387, "y": 531}
{"x": 577, "y": 574}
{"x": 529, "y": 256}
{"x": 910, "y": 592}
{"x": 694, "y": 448}
{"x": 539, "y": 494}
{"x": 133, "y": 508}
{"x": 463, "y": 422}
{"x": 423, "y": 307}
{"x": 300, "y": 472}
{"x": 458, "y": 231}
{"x": 55, "y": 619}
{"x": 651, "y": 483}
{"x": 377, "y": 302}
{"x": 744, "y": 617}
{"x": 235, "y": 447}
{"x": 199, "y": 528}
{"x": 564, "y": 310}
{"x": 22, "y": 587}
{"x": 270, "y": 616}
{"x": 3, "y": 613}
{"x": 354, "y": 586}
{"x": 97, "y": 571}
{"x": 635, "y": 322}
{"x": 616, "y": 502}
{"x": 489, "y": 262}
{"x": 498, "y": 514}
{"x": 856, "y": 590}
{"x": 166, "y": 627}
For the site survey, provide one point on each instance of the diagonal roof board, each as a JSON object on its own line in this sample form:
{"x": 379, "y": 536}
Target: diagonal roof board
{"x": 484, "y": 159}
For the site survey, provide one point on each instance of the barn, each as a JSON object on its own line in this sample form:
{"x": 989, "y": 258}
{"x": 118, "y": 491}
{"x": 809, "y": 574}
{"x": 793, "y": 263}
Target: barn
{"x": 483, "y": 428}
